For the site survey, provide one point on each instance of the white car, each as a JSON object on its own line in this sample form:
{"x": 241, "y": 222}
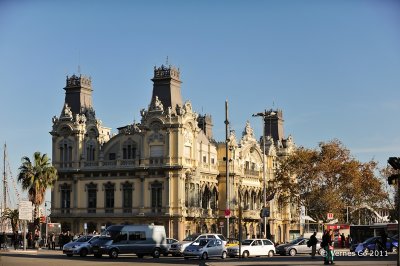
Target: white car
{"x": 253, "y": 247}
{"x": 178, "y": 248}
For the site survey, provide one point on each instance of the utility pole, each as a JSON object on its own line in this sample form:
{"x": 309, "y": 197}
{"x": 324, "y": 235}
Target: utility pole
{"x": 4, "y": 179}
{"x": 227, "y": 210}
{"x": 264, "y": 115}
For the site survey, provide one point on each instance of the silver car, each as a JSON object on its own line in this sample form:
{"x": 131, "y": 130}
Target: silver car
{"x": 205, "y": 248}
{"x": 82, "y": 246}
{"x": 170, "y": 241}
{"x": 297, "y": 246}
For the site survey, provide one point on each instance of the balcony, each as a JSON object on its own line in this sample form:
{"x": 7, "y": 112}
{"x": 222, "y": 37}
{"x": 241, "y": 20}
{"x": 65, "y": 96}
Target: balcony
{"x": 249, "y": 172}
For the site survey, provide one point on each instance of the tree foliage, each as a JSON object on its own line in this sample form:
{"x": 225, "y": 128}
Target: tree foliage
{"x": 13, "y": 216}
{"x": 328, "y": 179}
{"x": 36, "y": 177}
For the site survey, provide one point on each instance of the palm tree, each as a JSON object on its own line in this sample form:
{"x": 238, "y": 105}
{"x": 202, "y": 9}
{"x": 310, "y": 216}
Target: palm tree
{"x": 13, "y": 216}
{"x": 36, "y": 177}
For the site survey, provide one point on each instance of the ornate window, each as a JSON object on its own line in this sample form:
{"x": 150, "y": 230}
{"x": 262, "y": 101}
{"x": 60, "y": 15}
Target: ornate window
{"x": 65, "y": 191}
{"x": 129, "y": 150}
{"x": 127, "y": 189}
{"x": 65, "y": 149}
{"x": 109, "y": 189}
{"x": 90, "y": 150}
{"x": 156, "y": 197}
{"x": 92, "y": 197}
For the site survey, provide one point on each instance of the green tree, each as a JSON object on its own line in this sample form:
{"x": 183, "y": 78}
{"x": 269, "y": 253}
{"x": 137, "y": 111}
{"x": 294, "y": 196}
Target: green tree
{"x": 328, "y": 179}
{"x": 13, "y": 216}
{"x": 36, "y": 177}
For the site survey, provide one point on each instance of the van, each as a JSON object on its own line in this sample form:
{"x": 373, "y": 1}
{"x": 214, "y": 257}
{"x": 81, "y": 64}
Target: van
{"x": 127, "y": 239}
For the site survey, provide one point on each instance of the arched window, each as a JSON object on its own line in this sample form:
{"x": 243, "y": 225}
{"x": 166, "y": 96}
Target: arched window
{"x": 127, "y": 189}
{"x": 65, "y": 151}
{"x": 129, "y": 150}
{"x": 65, "y": 191}
{"x": 109, "y": 189}
{"x": 156, "y": 197}
{"x": 90, "y": 150}
{"x": 92, "y": 197}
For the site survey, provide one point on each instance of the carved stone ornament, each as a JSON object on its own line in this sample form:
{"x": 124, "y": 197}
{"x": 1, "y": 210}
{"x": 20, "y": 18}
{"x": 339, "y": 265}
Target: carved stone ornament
{"x": 187, "y": 137}
{"x": 156, "y": 105}
{"x": 66, "y": 113}
{"x": 131, "y": 129}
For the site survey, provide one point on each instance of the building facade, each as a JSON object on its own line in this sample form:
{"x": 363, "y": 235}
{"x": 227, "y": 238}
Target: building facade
{"x": 167, "y": 169}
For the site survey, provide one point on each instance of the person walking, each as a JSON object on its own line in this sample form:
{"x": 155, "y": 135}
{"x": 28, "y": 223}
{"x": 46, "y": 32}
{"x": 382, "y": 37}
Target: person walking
{"x": 313, "y": 244}
{"x": 53, "y": 241}
{"x": 327, "y": 244}
{"x": 342, "y": 239}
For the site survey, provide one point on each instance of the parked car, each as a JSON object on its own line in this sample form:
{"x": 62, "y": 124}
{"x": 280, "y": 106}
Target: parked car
{"x": 170, "y": 241}
{"x": 231, "y": 242}
{"x": 253, "y": 247}
{"x": 178, "y": 248}
{"x": 82, "y": 246}
{"x": 369, "y": 245}
{"x": 297, "y": 246}
{"x": 205, "y": 248}
{"x": 137, "y": 239}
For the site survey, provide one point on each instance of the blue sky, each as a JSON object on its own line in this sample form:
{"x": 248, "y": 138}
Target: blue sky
{"x": 333, "y": 67}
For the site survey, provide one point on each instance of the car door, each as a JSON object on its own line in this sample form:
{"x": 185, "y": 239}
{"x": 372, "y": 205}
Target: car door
{"x": 219, "y": 247}
{"x": 302, "y": 247}
{"x": 267, "y": 246}
{"x": 121, "y": 242}
{"x": 256, "y": 248}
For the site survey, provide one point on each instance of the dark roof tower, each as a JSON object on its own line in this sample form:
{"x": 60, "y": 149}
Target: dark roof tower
{"x": 78, "y": 94}
{"x": 167, "y": 86}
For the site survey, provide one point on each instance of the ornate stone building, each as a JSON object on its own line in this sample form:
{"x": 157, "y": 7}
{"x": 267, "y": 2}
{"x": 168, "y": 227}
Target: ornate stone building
{"x": 165, "y": 170}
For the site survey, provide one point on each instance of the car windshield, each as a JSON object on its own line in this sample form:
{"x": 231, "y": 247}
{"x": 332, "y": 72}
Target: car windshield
{"x": 200, "y": 242}
{"x": 296, "y": 241}
{"x": 83, "y": 239}
{"x": 93, "y": 239}
{"x": 246, "y": 242}
{"x": 191, "y": 238}
{"x": 370, "y": 240}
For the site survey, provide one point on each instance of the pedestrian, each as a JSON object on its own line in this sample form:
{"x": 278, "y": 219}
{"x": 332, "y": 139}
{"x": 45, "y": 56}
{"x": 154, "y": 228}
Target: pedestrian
{"x": 53, "y": 241}
{"x": 61, "y": 240}
{"x": 327, "y": 244}
{"x": 342, "y": 239}
{"x": 15, "y": 240}
{"x": 348, "y": 241}
{"x": 313, "y": 244}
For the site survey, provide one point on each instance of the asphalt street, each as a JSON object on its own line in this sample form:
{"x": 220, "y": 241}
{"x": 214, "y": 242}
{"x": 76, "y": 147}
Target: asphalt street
{"x": 56, "y": 258}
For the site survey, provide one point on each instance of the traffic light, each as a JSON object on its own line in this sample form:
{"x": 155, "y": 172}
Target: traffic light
{"x": 393, "y": 179}
{"x": 395, "y": 163}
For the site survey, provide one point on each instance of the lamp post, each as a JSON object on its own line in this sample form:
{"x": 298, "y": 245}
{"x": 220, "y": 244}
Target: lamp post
{"x": 45, "y": 215}
{"x": 265, "y": 115}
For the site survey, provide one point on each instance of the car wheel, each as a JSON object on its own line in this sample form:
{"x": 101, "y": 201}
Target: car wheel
{"x": 245, "y": 254}
{"x": 97, "y": 255}
{"x": 83, "y": 252}
{"x": 204, "y": 256}
{"x": 113, "y": 254}
{"x": 156, "y": 253}
{"x": 69, "y": 255}
{"x": 270, "y": 253}
{"x": 292, "y": 252}
{"x": 223, "y": 256}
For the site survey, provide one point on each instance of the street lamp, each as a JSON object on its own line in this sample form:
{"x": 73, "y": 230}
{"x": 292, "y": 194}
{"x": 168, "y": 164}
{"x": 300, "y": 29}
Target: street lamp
{"x": 45, "y": 215}
{"x": 265, "y": 115}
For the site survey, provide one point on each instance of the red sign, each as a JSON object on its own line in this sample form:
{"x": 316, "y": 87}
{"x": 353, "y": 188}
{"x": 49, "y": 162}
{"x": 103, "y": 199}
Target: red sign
{"x": 330, "y": 216}
{"x": 227, "y": 212}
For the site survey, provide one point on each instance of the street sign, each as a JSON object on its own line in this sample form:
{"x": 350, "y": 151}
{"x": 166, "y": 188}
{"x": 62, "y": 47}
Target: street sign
{"x": 227, "y": 213}
{"x": 329, "y": 216}
{"x": 265, "y": 212}
{"x": 25, "y": 209}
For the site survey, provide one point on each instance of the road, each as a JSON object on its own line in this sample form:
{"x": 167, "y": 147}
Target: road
{"x": 56, "y": 258}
